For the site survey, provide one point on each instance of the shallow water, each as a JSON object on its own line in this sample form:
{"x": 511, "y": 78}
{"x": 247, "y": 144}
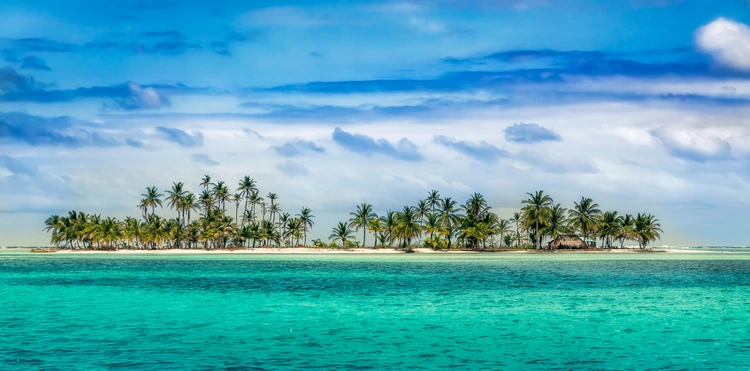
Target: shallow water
{"x": 500, "y": 311}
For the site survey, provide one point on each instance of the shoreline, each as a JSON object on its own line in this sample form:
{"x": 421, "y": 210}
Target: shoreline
{"x": 313, "y": 251}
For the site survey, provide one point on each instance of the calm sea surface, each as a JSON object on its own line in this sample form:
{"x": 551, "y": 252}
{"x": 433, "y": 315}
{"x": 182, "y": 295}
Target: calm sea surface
{"x": 476, "y": 312}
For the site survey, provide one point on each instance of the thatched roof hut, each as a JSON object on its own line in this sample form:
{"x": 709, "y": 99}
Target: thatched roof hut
{"x": 568, "y": 242}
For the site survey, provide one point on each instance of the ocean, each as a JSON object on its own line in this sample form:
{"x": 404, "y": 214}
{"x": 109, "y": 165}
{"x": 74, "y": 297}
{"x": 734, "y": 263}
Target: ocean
{"x": 501, "y": 311}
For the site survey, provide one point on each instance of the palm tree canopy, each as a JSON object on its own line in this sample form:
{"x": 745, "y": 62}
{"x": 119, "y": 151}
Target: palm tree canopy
{"x": 535, "y": 214}
{"x": 361, "y": 216}
{"x": 584, "y": 216}
{"x": 433, "y": 199}
{"x": 342, "y": 231}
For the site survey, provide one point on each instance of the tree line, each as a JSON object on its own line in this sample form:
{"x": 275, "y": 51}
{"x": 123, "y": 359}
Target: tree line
{"x": 441, "y": 223}
{"x": 436, "y": 222}
{"x": 201, "y": 221}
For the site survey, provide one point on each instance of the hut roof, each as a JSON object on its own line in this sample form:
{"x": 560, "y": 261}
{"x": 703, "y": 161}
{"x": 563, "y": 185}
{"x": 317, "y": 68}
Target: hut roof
{"x": 568, "y": 242}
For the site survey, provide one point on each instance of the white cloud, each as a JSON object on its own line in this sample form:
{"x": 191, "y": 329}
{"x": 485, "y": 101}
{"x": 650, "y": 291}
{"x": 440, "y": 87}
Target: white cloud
{"x": 727, "y": 41}
{"x": 693, "y": 145}
{"x": 147, "y": 97}
{"x": 427, "y": 26}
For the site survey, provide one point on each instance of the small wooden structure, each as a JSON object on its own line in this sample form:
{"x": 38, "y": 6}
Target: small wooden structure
{"x": 568, "y": 242}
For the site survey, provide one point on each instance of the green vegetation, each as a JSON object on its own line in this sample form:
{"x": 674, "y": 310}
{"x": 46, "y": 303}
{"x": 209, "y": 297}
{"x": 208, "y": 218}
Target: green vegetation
{"x": 201, "y": 221}
{"x": 445, "y": 225}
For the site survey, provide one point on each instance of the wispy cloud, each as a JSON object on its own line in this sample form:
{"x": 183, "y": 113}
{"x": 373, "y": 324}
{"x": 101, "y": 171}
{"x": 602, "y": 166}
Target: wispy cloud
{"x": 529, "y": 133}
{"x": 367, "y": 146}
{"x": 168, "y": 42}
{"x": 38, "y": 44}
{"x": 16, "y": 127}
{"x": 564, "y": 71}
{"x": 17, "y": 167}
{"x": 292, "y": 169}
{"x": 34, "y": 63}
{"x": 297, "y": 148}
{"x": 181, "y": 137}
{"x": 481, "y": 151}
{"x": 15, "y": 87}
{"x": 204, "y": 159}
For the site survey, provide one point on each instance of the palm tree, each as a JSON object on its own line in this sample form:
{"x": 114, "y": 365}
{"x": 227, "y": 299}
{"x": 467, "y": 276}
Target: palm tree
{"x": 205, "y": 182}
{"x": 275, "y": 209}
{"x": 517, "y": 219}
{"x": 407, "y": 226}
{"x": 584, "y": 216}
{"x": 646, "y": 229}
{"x": 476, "y": 206}
{"x": 360, "y": 218}
{"x": 285, "y": 223}
{"x": 375, "y": 226}
{"x": 502, "y": 228}
{"x": 221, "y": 195}
{"x": 536, "y": 213}
{"x": 382, "y": 238}
{"x": 132, "y": 231}
{"x": 109, "y": 232}
{"x": 248, "y": 216}
{"x": 175, "y": 196}
{"x": 433, "y": 225}
{"x": 189, "y": 204}
{"x": 52, "y": 223}
{"x": 245, "y": 189}
{"x": 151, "y": 198}
{"x": 272, "y": 197}
{"x": 206, "y": 201}
{"x": 237, "y": 198}
{"x": 449, "y": 217}
{"x": 307, "y": 220}
{"x": 255, "y": 200}
{"x": 295, "y": 229}
{"x": 389, "y": 226}
{"x": 625, "y": 231}
{"x": 609, "y": 227}
{"x": 420, "y": 211}
{"x": 433, "y": 200}
{"x": 341, "y": 232}
{"x": 556, "y": 223}
{"x": 474, "y": 232}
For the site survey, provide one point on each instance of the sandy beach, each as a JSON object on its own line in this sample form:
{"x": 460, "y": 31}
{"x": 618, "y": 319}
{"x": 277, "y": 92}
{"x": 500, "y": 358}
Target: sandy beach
{"x": 308, "y": 250}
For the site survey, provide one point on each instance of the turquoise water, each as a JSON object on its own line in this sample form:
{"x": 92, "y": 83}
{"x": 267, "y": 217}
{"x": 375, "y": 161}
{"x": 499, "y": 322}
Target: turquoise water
{"x": 477, "y": 312}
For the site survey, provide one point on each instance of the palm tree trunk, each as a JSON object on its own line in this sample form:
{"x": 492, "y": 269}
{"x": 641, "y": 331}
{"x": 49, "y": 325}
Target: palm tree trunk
{"x": 244, "y": 212}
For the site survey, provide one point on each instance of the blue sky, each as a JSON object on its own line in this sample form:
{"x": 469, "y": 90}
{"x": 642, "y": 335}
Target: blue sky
{"x": 641, "y": 105}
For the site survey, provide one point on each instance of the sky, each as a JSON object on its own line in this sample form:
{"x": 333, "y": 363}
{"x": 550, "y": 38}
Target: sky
{"x": 643, "y": 106}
